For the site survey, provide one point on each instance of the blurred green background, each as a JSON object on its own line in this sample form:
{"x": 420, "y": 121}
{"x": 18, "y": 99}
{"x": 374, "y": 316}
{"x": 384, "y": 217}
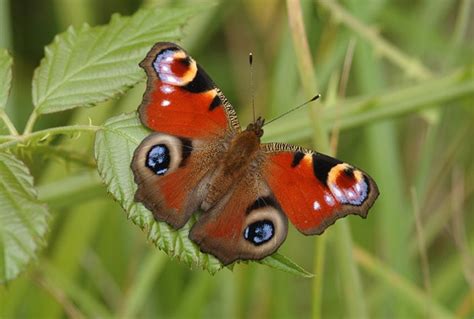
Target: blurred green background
{"x": 413, "y": 256}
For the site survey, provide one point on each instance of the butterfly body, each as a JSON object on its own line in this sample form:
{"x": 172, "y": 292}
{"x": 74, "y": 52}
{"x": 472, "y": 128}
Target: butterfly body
{"x": 198, "y": 158}
{"x": 240, "y": 160}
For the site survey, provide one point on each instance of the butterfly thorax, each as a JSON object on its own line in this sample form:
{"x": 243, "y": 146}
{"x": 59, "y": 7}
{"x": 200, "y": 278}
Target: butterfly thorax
{"x": 235, "y": 164}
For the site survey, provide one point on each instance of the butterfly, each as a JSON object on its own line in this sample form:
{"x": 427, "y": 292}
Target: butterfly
{"x": 198, "y": 158}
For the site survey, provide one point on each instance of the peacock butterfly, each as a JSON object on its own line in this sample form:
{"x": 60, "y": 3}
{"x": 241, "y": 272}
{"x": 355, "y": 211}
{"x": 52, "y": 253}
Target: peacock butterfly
{"x": 199, "y": 158}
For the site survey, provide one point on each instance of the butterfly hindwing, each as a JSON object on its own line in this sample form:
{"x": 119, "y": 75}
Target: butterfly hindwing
{"x": 313, "y": 189}
{"x": 170, "y": 177}
{"x": 246, "y": 224}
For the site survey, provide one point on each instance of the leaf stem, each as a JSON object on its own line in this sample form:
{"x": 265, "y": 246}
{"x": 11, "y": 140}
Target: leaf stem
{"x": 25, "y": 138}
{"x": 31, "y": 123}
{"x": 8, "y": 123}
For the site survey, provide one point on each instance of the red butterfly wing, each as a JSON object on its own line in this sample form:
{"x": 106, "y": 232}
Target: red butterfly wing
{"x": 313, "y": 189}
{"x": 246, "y": 224}
{"x": 193, "y": 123}
{"x": 180, "y": 98}
{"x": 195, "y": 127}
{"x": 169, "y": 171}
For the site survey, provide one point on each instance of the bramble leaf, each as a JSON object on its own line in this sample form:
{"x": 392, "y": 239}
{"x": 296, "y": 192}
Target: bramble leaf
{"x": 114, "y": 149}
{"x": 283, "y": 263}
{"x": 87, "y": 65}
{"x": 23, "y": 219}
{"x": 6, "y": 62}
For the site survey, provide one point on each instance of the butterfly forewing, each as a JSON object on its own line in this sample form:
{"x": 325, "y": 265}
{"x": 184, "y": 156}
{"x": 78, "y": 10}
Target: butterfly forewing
{"x": 181, "y": 99}
{"x": 194, "y": 122}
{"x": 314, "y": 189}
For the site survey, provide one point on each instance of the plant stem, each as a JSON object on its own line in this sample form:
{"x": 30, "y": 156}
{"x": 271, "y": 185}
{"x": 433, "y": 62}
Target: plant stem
{"x": 31, "y": 122}
{"x": 352, "y": 286}
{"x": 140, "y": 291}
{"x": 309, "y": 82}
{"x": 364, "y": 110}
{"x": 306, "y": 69}
{"x": 57, "y": 277}
{"x": 411, "y": 66}
{"x": 84, "y": 186}
{"x": 49, "y": 132}
{"x": 5, "y": 29}
{"x": 11, "y": 128}
{"x": 320, "y": 253}
{"x": 399, "y": 284}
{"x": 59, "y": 296}
{"x": 460, "y": 29}
{"x": 462, "y": 21}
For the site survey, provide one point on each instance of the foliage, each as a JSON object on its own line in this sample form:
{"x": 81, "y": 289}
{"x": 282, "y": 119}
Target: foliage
{"x": 23, "y": 218}
{"x": 397, "y": 82}
{"x": 115, "y": 145}
{"x": 86, "y": 66}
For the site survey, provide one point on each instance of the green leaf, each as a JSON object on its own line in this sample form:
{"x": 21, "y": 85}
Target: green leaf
{"x": 114, "y": 149}
{"x": 283, "y": 263}
{"x": 6, "y": 62}
{"x": 5, "y": 84}
{"x": 23, "y": 219}
{"x": 88, "y": 65}
{"x": 3, "y": 132}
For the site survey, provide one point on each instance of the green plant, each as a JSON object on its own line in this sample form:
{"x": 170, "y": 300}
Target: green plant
{"x": 82, "y": 68}
{"x": 413, "y": 117}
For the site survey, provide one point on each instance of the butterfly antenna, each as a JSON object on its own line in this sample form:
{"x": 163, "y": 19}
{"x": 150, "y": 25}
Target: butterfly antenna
{"x": 314, "y": 98}
{"x": 251, "y": 84}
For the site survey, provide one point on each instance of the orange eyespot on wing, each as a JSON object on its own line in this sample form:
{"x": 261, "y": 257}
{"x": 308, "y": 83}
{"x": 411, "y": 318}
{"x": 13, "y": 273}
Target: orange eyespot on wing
{"x": 313, "y": 189}
{"x": 180, "y": 98}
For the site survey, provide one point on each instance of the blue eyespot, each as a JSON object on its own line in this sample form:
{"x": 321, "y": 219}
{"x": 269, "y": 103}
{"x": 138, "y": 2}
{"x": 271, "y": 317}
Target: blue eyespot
{"x": 158, "y": 159}
{"x": 259, "y": 232}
